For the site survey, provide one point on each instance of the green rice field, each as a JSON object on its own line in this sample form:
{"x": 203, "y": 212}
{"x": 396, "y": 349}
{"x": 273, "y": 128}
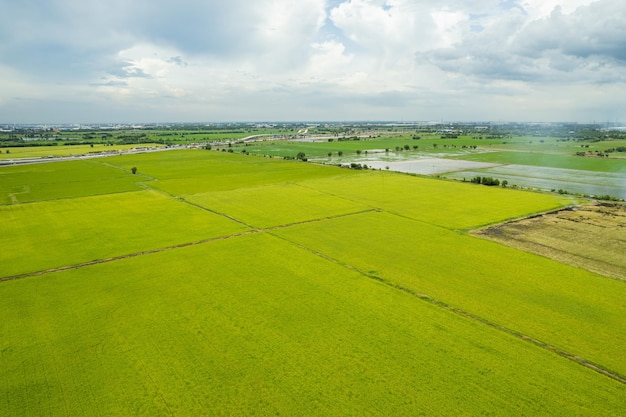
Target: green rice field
{"x": 211, "y": 283}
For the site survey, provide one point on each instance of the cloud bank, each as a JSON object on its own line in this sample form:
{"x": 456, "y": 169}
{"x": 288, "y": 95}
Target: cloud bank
{"x": 189, "y": 60}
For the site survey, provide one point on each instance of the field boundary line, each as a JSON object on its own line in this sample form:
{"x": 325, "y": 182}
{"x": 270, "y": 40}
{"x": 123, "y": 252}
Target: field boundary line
{"x": 127, "y": 171}
{"x": 227, "y": 216}
{"x": 373, "y": 208}
{"x": 180, "y": 199}
{"x": 253, "y": 230}
{"x": 476, "y": 230}
{"x": 321, "y": 219}
{"x": 494, "y": 233}
{"x": 126, "y": 256}
{"x": 322, "y": 191}
{"x": 260, "y": 229}
{"x": 462, "y": 313}
{"x": 552, "y": 253}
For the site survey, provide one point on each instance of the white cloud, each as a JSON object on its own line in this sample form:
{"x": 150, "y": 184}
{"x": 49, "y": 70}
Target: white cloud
{"x": 537, "y": 9}
{"x": 586, "y": 46}
{"x": 280, "y": 59}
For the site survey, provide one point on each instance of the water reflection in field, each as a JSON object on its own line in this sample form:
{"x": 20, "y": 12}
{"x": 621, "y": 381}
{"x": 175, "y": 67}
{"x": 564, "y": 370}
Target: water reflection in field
{"x": 428, "y": 166}
{"x": 570, "y": 180}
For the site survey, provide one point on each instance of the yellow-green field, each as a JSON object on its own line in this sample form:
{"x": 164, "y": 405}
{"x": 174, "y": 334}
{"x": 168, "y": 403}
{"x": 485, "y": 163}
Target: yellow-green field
{"x": 45, "y": 235}
{"x": 218, "y": 284}
{"x": 49, "y": 151}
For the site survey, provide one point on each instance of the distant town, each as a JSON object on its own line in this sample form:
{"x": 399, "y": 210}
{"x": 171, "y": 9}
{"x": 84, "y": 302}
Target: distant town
{"x": 37, "y": 132}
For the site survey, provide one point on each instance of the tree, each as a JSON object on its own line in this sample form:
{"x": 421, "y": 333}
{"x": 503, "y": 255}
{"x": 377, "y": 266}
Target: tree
{"x": 133, "y": 170}
{"x": 340, "y": 153}
{"x": 300, "y": 156}
{"x": 358, "y": 152}
{"x": 486, "y": 181}
{"x": 330, "y": 154}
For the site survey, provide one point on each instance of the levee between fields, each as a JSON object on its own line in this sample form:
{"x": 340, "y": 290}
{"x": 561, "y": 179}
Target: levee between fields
{"x": 591, "y": 236}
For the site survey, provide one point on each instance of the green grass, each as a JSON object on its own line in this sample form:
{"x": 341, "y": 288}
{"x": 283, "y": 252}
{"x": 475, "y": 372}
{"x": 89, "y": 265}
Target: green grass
{"x": 193, "y": 172}
{"x": 326, "y": 315}
{"x": 276, "y": 205}
{"x": 264, "y": 328}
{"x": 50, "y": 181}
{"x": 40, "y": 236}
{"x": 572, "y": 309}
{"x": 449, "y": 204}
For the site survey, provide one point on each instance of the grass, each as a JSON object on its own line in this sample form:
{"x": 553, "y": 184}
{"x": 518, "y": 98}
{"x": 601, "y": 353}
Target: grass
{"x": 195, "y": 172}
{"x": 45, "y": 235}
{"x": 264, "y": 328}
{"x": 351, "y": 307}
{"x": 276, "y": 205}
{"x": 448, "y": 204}
{"x": 40, "y": 182}
{"x": 566, "y": 307}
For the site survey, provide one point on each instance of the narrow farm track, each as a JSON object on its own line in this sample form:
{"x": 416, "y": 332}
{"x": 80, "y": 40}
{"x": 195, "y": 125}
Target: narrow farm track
{"x": 127, "y": 256}
{"x": 146, "y": 186}
{"x": 321, "y": 219}
{"x": 181, "y": 245}
{"x": 511, "y": 332}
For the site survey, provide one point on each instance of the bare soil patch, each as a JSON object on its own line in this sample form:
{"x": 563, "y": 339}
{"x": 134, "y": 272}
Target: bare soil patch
{"x": 591, "y": 237}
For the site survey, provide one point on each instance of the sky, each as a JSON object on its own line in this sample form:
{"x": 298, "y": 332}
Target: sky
{"x": 140, "y": 61}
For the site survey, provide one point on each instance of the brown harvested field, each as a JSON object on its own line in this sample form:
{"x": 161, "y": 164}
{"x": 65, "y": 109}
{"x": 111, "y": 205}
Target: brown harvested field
{"x": 591, "y": 236}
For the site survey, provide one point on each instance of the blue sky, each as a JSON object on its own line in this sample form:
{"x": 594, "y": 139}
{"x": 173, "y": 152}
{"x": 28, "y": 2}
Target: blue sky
{"x": 281, "y": 60}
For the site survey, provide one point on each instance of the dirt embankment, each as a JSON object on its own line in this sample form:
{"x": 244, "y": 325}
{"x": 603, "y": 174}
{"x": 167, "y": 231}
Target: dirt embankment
{"x": 591, "y": 236}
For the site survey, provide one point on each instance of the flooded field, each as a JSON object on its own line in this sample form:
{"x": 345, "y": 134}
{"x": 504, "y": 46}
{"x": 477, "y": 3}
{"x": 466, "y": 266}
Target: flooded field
{"x": 570, "y": 180}
{"x": 428, "y": 166}
{"x": 546, "y": 178}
